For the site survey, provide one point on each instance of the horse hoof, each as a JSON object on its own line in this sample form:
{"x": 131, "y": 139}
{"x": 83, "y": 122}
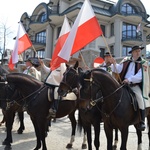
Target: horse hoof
{"x": 69, "y": 146}
{"x": 6, "y": 143}
{"x": 114, "y": 147}
{"x": 20, "y": 131}
{"x": 84, "y": 146}
{"x": 7, "y": 147}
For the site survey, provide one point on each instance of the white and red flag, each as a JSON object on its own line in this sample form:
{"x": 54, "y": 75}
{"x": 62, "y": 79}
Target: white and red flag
{"x": 60, "y": 42}
{"x": 138, "y": 28}
{"x": 22, "y": 43}
{"x": 85, "y": 29}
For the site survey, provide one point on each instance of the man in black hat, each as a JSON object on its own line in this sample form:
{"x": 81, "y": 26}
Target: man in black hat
{"x": 134, "y": 71}
{"x": 106, "y": 64}
{"x": 31, "y": 65}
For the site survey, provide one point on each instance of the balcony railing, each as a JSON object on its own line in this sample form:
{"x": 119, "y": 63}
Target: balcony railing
{"x": 131, "y": 35}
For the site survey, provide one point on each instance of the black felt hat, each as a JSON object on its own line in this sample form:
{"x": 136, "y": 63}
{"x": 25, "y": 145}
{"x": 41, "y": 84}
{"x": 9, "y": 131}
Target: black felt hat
{"x": 108, "y": 54}
{"x": 135, "y": 48}
{"x": 34, "y": 61}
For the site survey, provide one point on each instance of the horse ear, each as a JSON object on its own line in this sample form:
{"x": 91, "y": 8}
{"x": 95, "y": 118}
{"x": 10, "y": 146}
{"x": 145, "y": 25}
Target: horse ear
{"x": 76, "y": 65}
{"x": 67, "y": 65}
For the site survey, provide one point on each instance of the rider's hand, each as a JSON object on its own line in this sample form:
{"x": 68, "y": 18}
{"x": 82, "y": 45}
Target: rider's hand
{"x": 126, "y": 81}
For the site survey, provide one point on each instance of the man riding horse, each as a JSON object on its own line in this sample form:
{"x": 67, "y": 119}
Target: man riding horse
{"x": 53, "y": 79}
{"x": 134, "y": 71}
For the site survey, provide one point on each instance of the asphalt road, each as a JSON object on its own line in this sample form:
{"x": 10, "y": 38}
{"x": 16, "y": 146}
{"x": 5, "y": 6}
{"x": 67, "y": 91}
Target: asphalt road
{"x": 59, "y": 136}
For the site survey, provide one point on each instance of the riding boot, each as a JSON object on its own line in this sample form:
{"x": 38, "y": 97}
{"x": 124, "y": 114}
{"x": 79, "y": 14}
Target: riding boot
{"x": 53, "y": 109}
{"x": 142, "y": 122}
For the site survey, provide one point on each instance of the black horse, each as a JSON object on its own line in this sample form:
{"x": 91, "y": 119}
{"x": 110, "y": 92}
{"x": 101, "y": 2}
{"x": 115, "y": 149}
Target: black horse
{"x": 4, "y": 107}
{"x": 115, "y": 104}
{"x": 87, "y": 116}
{"x": 35, "y": 95}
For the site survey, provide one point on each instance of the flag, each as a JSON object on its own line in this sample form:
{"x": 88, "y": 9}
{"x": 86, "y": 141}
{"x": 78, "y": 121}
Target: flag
{"x": 85, "y": 29}
{"x": 60, "y": 42}
{"x": 138, "y": 28}
{"x": 21, "y": 44}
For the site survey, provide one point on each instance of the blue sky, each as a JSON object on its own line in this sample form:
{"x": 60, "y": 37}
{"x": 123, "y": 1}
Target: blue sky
{"x": 11, "y": 11}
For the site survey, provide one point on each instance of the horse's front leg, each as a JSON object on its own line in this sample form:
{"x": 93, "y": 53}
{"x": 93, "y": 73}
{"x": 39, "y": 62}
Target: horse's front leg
{"x": 21, "y": 119}
{"x": 73, "y": 125}
{"x": 124, "y": 137}
{"x": 109, "y": 135}
{"x": 97, "y": 133}
{"x": 37, "y": 133}
{"x": 9, "y": 116}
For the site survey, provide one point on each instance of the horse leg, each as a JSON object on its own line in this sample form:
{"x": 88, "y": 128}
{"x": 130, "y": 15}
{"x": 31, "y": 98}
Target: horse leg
{"x": 37, "y": 133}
{"x": 139, "y": 136}
{"x": 148, "y": 124}
{"x": 3, "y": 120}
{"x": 116, "y": 139}
{"x": 21, "y": 119}
{"x": 97, "y": 133}
{"x": 109, "y": 135}
{"x": 89, "y": 136}
{"x": 84, "y": 145}
{"x": 9, "y": 116}
{"x": 71, "y": 116}
{"x": 124, "y": 137}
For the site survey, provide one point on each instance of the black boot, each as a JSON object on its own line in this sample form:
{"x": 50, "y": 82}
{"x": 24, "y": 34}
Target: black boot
{"x": 53, "y": 109}
{"x": 141, "y": 125}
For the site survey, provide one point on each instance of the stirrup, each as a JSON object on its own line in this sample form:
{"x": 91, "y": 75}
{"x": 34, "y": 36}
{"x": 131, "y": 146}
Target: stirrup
{"x": 52, "y": 113}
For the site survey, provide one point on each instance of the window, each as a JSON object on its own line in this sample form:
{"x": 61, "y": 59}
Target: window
{"x": 42, "y": 17}
{"x": 41, "y": 37}
{"x": 41, "y": 53}
{"x": 128, "y": 9}
{"x": 103, "y": 29}
{"x": 112, "y": 30}
{"x": 125, "y": 50}
{"x": 129, "y": 32}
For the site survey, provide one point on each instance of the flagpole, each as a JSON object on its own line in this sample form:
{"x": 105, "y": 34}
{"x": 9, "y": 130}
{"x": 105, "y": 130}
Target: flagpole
{"x": 83, "y": 60}
{"x": 111, "y": 57}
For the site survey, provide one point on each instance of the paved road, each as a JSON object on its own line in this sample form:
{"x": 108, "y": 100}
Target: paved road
{"x": 59, "y": 136}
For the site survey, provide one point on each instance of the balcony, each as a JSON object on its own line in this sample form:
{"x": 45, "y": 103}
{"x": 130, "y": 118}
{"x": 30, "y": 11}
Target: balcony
{"x": 38, "y": 22}
{"x": 131, "y": 36}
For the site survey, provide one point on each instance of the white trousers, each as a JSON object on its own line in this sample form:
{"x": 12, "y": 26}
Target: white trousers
{"x": 138, "y": 93}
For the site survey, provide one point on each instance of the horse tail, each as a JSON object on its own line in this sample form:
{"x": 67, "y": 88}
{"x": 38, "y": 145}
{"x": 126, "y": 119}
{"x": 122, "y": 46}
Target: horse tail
{"x": 80, "y": 123}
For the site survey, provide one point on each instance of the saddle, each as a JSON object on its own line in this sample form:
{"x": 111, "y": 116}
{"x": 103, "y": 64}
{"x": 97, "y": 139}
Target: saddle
{"x": 132, "y": 96}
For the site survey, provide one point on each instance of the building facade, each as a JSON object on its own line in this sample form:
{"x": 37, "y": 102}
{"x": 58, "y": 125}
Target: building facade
{"x": 119, "y": 23}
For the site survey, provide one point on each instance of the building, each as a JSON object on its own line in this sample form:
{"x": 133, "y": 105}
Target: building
{"x": 119, "y": 22}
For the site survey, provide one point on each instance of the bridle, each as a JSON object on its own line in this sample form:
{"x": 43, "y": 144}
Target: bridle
{"x": 9, "y": 88}
{"x": 94, "y": 102}
{"x": 72, "y": 82}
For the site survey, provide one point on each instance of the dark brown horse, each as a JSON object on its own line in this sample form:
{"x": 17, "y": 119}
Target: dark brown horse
{"x": 35, "y": 95}
{"x": 115, "y": 104}
{"x": 4, "y": 107}
{"x": 87, "y": 116}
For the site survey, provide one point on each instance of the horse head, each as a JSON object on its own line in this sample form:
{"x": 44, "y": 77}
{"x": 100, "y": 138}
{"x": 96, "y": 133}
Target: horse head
{"x": 69, "y": 81}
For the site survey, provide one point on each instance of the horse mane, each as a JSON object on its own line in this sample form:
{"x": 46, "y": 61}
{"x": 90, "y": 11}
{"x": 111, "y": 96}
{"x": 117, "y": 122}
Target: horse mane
{"x": 23, "y": 78}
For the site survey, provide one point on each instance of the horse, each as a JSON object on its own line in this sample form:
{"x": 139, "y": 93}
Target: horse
{"x": 35, "y": 95}
{"x": 87, "y": 116}
{"x": 20, "y": 113}
{"x": 116, "y": 106}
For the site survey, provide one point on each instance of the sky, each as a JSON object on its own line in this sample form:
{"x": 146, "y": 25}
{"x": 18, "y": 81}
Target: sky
{"x": 12, "y": 10}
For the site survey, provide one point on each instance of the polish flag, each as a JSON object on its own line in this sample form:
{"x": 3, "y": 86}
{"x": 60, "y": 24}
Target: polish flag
{"x": 85, "y": 29}
{"x": 22, "y": 43}
{"x": 60, "y": 42}
{"x": 138, "y": 28}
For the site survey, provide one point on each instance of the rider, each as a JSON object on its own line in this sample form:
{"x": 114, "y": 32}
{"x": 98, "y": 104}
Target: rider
{"x": 31, "y": 68}
{"x": 53, "y": 79}
{"x": 107, "y": 62}
{"x": 134, "y": 71}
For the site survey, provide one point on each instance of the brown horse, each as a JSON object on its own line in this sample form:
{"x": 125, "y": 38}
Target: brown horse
{"x": 115, "y": 104}
{"x": 87, "y": 116}
{"x": 35, "y": 96}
